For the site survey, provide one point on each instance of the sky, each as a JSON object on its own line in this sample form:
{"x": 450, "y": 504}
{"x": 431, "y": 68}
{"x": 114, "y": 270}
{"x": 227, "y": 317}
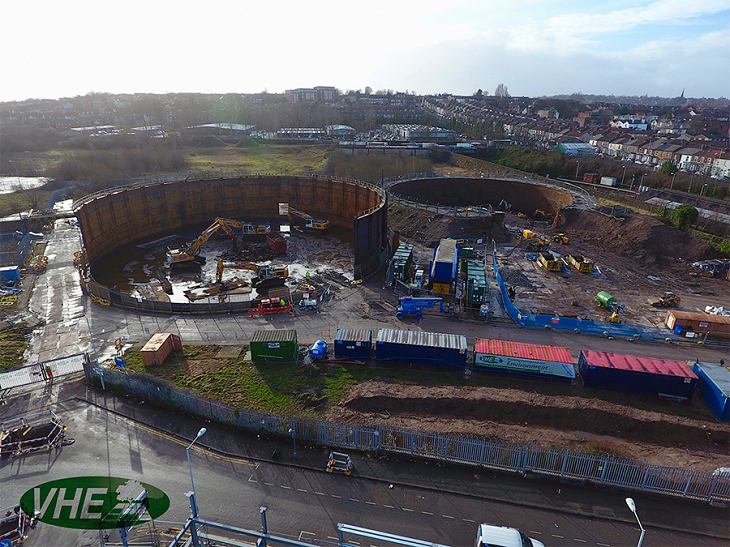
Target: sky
{"x": 55, "y": 49}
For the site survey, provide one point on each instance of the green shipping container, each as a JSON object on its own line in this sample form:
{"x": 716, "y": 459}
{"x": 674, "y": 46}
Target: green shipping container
{"x": 274, "y": 346}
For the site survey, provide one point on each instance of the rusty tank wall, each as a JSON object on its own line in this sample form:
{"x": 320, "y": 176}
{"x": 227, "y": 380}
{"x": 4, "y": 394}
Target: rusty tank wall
{"x": 111, "y": 219}
{"x": 477, "y": 191}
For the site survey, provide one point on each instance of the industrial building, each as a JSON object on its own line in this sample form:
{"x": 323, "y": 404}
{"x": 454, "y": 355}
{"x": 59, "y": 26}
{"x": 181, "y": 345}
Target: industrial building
{"x": 419, "y": 133}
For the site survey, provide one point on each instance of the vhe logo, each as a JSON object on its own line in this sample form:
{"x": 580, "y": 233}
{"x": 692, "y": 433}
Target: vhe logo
{"x": 97, "y": 503}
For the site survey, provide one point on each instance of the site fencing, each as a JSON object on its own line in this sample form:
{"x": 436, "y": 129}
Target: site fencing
{"x": 599, "y": 469}
{"x": 43, "y": 372}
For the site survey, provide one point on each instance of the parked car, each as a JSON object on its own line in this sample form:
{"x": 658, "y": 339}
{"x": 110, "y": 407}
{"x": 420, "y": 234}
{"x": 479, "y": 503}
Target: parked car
{"x": 503, "y": 536}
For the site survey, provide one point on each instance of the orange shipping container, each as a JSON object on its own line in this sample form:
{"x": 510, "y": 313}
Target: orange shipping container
{"x": 156, "y": 350}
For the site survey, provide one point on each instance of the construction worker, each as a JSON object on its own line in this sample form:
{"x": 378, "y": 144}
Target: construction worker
{"x": 283, "y": 303}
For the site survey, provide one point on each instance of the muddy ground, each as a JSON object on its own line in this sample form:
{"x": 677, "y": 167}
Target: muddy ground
{"x": 637, "y": 258}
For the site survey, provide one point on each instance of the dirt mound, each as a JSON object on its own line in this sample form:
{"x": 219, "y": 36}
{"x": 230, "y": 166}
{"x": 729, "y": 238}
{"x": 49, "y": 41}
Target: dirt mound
{"x": 526, "y": 417}
{"x": 637, "y": 236}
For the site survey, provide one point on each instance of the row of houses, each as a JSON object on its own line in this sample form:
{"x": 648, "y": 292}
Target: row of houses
{"x": 693, "y": 156}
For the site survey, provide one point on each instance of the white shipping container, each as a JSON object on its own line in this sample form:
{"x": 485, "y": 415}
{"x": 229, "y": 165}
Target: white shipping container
{"x": 608, "y": 181}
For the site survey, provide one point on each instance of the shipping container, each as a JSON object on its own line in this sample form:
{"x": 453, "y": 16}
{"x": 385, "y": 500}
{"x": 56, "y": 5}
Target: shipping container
{"x": 9, "y": 274}
{"x": 714, "y": 386}
{"x": 156, "y": 350}
{"x": 353, "y": 344}
{"x": 421, "y": 348}
{"x": 590, "y": 177}
{"x": 549, "y": 362}
{"x": 445, "y": 262}
{"x": 637, "y": 374}
{"x": 279, "y": 346}
{"x": 701, "y": 323}
{"x": 550, "y": 263}
{"x": 608, "y": 181}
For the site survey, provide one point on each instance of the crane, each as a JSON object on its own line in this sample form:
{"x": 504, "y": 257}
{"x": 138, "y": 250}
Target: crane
{"x": 309, "y": 221}
{"x": 189, "y": 255}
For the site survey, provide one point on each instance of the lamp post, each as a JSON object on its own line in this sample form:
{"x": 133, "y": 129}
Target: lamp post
{"x": 703, "y": 189}
{"x": 200, "y": 434}
{"x": 577, "y": 166}
{"x": 623, "y": 176}
{"x": 632, "y": 506}
{"x": 294, "y": 439}
{"x": 673, "y": 175}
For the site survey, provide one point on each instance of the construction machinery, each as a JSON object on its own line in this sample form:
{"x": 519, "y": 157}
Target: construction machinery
{"x": 410, "y": 305}
{"x": 260, "y": 228}
{"x": 667, "y": 300}
{"x": 189, "y": 254}
{"x": 561, "y": 238}
{"x": 309, "y": 221}
{"x": 608, "y": 302}
{"x": 581, "y": 263}
{"x": 262, "y": 272}
{"x": 539, "y": 244}
{"x": 269, "y": 306}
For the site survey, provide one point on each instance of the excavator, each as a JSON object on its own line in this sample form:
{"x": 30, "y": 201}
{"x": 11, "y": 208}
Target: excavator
{"x": 277, "y": 272}
{"x": 189, "y": 255}
{"x": 260, "y": 228}
{"x": 309, "y": 221}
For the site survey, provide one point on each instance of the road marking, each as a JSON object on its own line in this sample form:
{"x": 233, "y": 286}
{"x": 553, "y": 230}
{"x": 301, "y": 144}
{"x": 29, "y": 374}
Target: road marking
{"x": 467, "y": 520}
{"x": 308, "y": 533}
{"x": 388, "y": 506}
{"x": 406, "y": 509}
{"x": 251, "y": 479}
{"x": 557, "y": 536}
{"x": 535, "y": 532}
{"x": 336, "y": 496}
{"x": 603, "y": 544}
{"x": 300, "y": 490}
{"x": 426, "y": 513}
{"x": 269, "y": 483}
{"x": 353, "y": 499}
{"x": 580, "y": 540}
{"x": 371, "y": 503}
{"x": 322, "y": 494}
{"x": 285, "y": 487}
{"x": 334, "y": 539}
{"x": 447, "y": 516}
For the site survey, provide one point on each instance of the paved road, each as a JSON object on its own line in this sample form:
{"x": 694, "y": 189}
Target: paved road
{"x": 303, "y": 501}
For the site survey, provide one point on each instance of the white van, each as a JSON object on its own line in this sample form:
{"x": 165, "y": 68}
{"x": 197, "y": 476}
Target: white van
{"x": 502, "y": 536}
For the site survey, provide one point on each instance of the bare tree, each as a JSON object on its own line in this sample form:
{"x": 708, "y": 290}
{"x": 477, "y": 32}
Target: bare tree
{"x": 501, "y": 91}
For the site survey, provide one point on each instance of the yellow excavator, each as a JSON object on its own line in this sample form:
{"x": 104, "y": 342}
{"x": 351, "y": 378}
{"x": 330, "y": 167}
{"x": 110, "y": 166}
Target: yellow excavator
{"x": 189, "y": 254}
{"x": 262, "y": 272}
{"x": 309, "y": 221}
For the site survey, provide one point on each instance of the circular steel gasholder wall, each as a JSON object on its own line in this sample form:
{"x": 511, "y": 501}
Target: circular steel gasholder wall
{"x": 118, "y": 216}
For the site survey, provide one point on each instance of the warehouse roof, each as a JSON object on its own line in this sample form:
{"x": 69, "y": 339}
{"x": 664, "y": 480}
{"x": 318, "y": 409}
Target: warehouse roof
{"x": 637, "y": 364}
{"x": 420, "y": 338}
{"x": 699, "y": 316}
{"x": 523, "y": 350}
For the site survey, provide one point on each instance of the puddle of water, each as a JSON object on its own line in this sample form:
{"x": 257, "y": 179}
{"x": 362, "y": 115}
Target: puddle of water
{"x": 129, "y": 269}
{"x": 8, "y": 185}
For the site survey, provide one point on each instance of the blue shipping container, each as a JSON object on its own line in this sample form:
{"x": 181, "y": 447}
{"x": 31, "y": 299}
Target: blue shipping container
{"x": 9, "y": 274}
{"x": 353, "y": 344}
{"x": 714, "y": 386}
{"x": 421, "y": 348}
{"x": 637, "y": 374}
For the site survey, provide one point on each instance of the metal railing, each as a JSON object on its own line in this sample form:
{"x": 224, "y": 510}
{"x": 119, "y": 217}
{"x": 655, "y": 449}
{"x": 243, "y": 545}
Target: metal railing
{"x": 599, "y": 469}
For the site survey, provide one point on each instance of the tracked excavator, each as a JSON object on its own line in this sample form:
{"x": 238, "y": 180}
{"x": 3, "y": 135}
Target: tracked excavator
{"x": 189, "y": 255}
{"x": 268, "y": 276}
{"x": 309, "y": 221}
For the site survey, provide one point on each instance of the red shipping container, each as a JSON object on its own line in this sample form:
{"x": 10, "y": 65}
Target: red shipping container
{"x": 156, "y": 350}
{"x": 277, "y": 242}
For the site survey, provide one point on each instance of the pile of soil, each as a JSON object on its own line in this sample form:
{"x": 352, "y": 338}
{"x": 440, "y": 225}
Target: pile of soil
{"x": 513, "y": 415}
{"x": 637, "y": 236}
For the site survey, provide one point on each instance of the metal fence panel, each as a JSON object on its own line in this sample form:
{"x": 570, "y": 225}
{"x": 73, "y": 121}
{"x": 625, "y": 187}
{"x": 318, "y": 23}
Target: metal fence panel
{"x": 599, "y": 469}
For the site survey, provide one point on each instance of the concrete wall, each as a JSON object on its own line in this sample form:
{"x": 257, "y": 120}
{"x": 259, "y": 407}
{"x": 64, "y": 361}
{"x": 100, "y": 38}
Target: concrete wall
{"x": 472, "y": 191}
{"x": 110, "y": 220}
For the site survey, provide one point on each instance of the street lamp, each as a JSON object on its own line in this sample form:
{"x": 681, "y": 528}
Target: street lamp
{"x": 200, "y": 434}
{"x": 294, "y": 439}
{"x": 623, "y": 176}
{"x": 703, "y": 189}
{"x": 632, "y": 506}
{"x": 577, "y": 165}
{"x": 672, "y": 185}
